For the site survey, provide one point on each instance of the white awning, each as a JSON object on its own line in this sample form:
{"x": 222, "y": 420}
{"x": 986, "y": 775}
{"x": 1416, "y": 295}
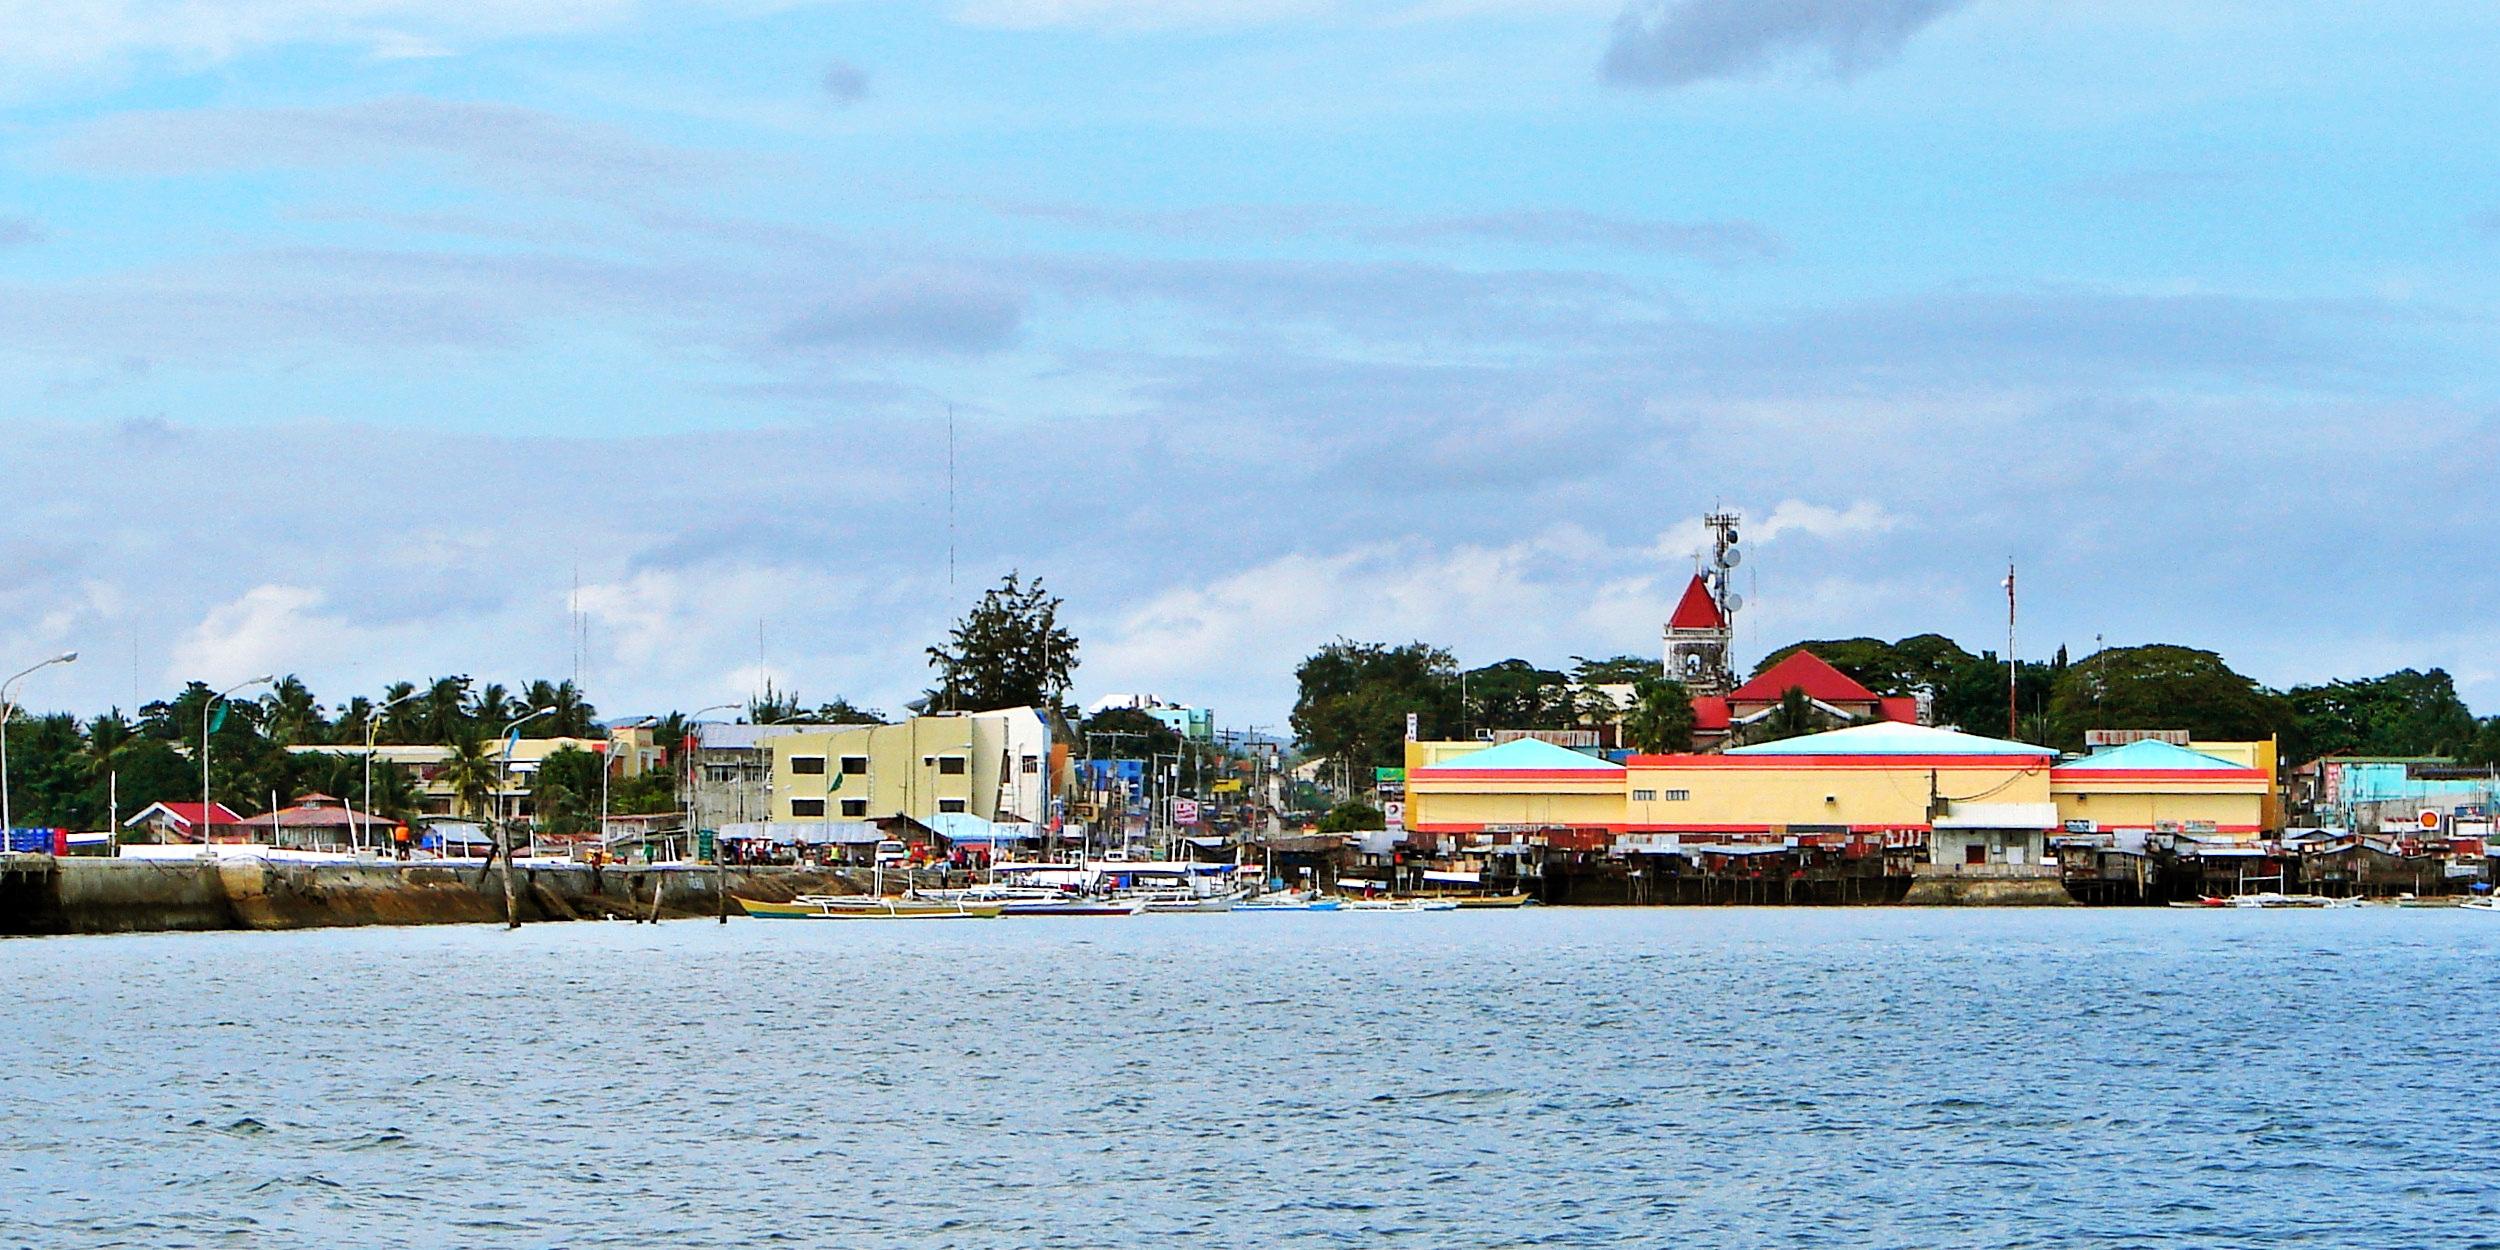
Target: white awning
{"x": 1453, "y": 877}
{"x": 2024, "y": 816}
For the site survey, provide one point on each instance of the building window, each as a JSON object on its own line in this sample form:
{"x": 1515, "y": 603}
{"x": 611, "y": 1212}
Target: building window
{"x": 854, "y": 765}
{"x": 808, "y": 765}
{"x": 1676, "y": 796}
{"x": 1644, "y": 796}
{"x": 950, "y": 805}
{"x": 1975, "y": 853}
{"x": 854, "y": 807}
{"x": 1032, "y": 763}
{"x": 801, "y": 808}
{"x": 950, "y": 765}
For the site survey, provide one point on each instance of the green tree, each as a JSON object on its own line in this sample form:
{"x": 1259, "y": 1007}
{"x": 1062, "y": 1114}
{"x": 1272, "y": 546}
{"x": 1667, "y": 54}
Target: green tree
{"x": 2484, "y": 751}
{"x": 772, "y": 705}
{"x": 292, "y": 714}
{"x": 1008, "y": 651}
{"x": 474, "y": 771}
{"x": 1795, "y": 717}
{"x": 1141, "y": 735}
{"x": 442, "y": 713}
{"x": 2162, "y": 687}
{"x": 1660, "y": 720}
{"x": 1616, "y": 670}
{"x": 564, "y": 793}
{"x": 1355, "y": 696}
{"x": 2406, "y": 712}
{"x": 841, "y": 712}
{"x": 1515, "y": 694}
{"x": 1352, "y": 817}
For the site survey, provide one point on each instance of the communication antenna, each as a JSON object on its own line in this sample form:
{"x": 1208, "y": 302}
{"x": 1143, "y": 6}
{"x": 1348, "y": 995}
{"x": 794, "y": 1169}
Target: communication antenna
{"x": 950, "y": 503}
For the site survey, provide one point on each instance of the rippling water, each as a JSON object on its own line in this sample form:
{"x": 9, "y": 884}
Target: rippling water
{"x": 1697, "y": 1078}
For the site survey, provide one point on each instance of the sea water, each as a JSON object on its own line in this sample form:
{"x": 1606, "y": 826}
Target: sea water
{"x": 1691, "y": 1078}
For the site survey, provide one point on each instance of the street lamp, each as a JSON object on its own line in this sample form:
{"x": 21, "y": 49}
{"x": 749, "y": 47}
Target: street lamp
{"x": 495, "y": 824}
{"x": 208, "y": 849}
{"x": 373, "y": 725}
{"x": 7, "y": 710}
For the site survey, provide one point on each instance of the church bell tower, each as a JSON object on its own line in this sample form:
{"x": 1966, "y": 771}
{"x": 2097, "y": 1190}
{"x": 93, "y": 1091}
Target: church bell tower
{"x": 1701, "y": 634}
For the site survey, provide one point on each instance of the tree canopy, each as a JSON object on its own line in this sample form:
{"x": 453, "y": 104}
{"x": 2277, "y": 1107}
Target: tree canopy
{"x": 2162, "y": 687}
{"x": 1660, "y": 719}
{"x": 1008, "y": 651}
{"x": 1354, "y": 698}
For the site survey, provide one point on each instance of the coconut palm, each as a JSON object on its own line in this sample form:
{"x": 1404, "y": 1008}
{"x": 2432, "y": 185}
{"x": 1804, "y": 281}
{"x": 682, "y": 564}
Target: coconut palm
{"x": 294, "y": 716}
{"x": 474, "y": 772}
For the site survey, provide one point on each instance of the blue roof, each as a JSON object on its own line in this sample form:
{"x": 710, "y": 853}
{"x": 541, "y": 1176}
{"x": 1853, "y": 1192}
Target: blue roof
{"x": 1526, "y": 754}
{"x": 966, "y": 827}
{"x": 2150, "y": 753}
{"x": 1891, "y": 738}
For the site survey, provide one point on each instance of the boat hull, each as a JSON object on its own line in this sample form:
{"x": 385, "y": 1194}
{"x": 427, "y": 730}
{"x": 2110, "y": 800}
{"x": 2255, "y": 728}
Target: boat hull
{"x": 879, "y": 909}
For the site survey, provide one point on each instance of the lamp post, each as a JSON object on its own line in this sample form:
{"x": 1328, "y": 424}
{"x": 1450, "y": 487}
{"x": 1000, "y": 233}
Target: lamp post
{"x": 208, "y": 848}
{"x": 7, "y": 710}
{"x": 373, "y": 725}
{"x": 495, "y": 826}
{"x": 720, "y": 870}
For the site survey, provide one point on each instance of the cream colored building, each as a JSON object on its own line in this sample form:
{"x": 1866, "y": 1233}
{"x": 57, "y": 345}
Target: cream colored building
{"x": 631, "y": 753}
{"x": 999, "y": 765}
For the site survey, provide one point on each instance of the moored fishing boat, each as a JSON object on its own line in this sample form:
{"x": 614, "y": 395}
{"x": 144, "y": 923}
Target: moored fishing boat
{"x": 867, "y": 907}
{"x": 1471, "y": 902}
{"x": 1288, "y": 900}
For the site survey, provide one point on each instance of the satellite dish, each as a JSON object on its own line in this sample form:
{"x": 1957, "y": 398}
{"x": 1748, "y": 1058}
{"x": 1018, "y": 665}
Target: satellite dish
{"x": 1730, "y": 558}
{"x": 1731, "y": 536}
{"x": 1735, "y": 602}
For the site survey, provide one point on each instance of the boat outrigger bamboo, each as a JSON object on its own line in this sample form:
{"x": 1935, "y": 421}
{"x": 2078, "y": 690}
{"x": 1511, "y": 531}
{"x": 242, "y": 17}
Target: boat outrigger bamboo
{"x": 867, "y": 907}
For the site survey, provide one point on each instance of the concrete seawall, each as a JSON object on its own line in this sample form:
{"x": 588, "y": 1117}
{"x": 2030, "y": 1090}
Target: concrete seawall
{"x": 42, "y": 895}
{"x": 1988, "y": 892}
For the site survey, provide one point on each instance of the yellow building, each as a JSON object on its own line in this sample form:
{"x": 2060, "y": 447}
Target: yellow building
{"x": 2221, "y": 790}
{"x": 1972, "y": 800}
{"x": 1462, "y": 792}
{"x": 998, "y": 765}
{"x": 630, "y": 753}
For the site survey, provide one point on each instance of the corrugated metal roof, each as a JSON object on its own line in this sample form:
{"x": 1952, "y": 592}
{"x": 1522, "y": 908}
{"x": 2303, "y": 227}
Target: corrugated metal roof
{"x": 1891, "y": 738}
{"x": 2148, "y": 753}
{"x": 1528, "y": 754}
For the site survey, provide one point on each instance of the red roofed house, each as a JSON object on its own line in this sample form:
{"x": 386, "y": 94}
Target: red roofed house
{"x": 180, "y": 822}
{"x": 1840, "y": 698}
{"x": 321, "y": 822}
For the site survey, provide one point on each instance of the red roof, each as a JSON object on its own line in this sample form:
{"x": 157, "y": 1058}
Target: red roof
{"x": 188, "y": 814}
{"x": 1697, "y": 610}
{"x": 1710, "y": 712}
{"x": 1902, "y": 709}
{"x": 1806, "y": 671}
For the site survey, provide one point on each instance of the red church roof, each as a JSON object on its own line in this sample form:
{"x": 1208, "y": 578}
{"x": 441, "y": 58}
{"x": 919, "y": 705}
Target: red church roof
{"x": 1710, "y": 712}
{"x": 1697, "y": 610}
{"x": 1806, "y": 671}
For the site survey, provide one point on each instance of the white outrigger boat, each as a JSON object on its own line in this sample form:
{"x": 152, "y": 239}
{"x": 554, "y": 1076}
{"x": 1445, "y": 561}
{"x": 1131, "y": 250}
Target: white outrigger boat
{"x": 866, "y": 907}
{"x": 1288, "y": 900}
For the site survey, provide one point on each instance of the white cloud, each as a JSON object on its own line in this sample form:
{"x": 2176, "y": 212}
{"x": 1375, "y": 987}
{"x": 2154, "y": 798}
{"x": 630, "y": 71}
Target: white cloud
{"x": 1796, "y": 516}
{"x": 270, "y": 629}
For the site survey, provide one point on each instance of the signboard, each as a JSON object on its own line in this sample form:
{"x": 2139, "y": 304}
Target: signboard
{"x": 1414, "y": 723}
{"x": 2429, "y": 818}
{"x": 1388, "y": 774}
{"x": 1184, "y": 811}
{"x": 2083, "y": 826}
{"x": 1394, "y": 813}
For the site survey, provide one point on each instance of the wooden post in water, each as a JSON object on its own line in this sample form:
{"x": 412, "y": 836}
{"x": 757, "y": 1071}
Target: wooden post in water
{"x": 511, "y": 910}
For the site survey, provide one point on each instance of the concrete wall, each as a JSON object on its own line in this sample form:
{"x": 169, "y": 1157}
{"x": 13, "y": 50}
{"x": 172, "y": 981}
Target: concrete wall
{"x": 40, "y": 896}
{"x": 1761, "y": 792}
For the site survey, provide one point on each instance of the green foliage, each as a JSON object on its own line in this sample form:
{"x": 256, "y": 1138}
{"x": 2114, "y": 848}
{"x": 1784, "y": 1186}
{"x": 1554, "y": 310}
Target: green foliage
{"x": 1352, "y": 817}
{"x": 1153, "y": 737}
{"x": 2403, "y": 713}
{"x": 1515, "y": 694}
{"x": 2162, "y": 687}
{"x": 1660, "y": 720}
{"x": 1615, "y": 670}
{"x": 1008, "y": 651}
{"x": 564, "y": 792}
{"x": 2484, "y": 751}
{"x": 841, "y": 712}
{"x": 474, "y": 772}
{"x": 1354, "y": 698}
{"x": 649, "y": 794}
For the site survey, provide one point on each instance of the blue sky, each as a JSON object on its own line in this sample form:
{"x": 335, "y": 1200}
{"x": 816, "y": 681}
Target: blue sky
{"x": 340, "y": 336}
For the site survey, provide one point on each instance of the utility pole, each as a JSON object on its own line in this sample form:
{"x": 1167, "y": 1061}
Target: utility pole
{"x": 2013, "y": 680}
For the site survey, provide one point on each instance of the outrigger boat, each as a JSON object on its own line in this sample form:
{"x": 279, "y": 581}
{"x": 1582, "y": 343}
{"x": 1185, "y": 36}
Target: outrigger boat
{"x": 868, "y": 907}
{"x": 1289, "y": 900}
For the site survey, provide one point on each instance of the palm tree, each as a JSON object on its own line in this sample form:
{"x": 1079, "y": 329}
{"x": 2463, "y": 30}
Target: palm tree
{"x": 399, "y": 723}
{"x": 1660, "y": 720}
{"x": 444, "y": 712}
{"x": 574, "y": 716}
{"x": 493, "y": 705}
{"x": 474, "y": 772}
{"x": 294, "y": 715}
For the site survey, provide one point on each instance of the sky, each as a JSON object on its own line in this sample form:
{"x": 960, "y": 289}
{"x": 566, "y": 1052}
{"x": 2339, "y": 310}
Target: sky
{"x": 368, "y": 339}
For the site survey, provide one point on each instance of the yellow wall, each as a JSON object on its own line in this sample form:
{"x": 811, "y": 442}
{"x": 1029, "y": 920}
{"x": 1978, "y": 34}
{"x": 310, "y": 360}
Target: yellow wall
{"x": 1432, "y": 804}
{"x": 1751, "y": 796}
{"x": 2233, "y": 806}
{"x": 903, "y": 777}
